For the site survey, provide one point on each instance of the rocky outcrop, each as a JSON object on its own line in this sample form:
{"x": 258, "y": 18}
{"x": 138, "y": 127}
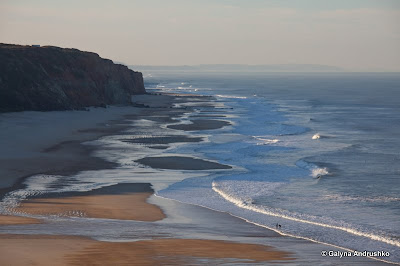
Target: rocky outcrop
{"x": 52, "y": 78}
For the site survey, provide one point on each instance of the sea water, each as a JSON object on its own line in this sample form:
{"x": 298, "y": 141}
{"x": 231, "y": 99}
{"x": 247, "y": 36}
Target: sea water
{"x": 317, "y": 153}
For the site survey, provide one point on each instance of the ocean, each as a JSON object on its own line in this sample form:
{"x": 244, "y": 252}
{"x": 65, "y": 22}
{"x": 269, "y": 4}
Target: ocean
{"x": 317, "y": 153}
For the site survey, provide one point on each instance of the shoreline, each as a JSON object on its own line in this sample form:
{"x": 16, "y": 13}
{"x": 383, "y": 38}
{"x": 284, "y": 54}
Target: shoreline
{"x": 159, "y": 112}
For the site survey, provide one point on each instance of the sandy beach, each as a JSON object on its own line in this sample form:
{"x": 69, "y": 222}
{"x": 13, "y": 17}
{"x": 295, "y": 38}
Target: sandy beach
{"x": 17, "y": 220}
{"x": 122, "y": 201}
{"x": 68, "y": 250}
{"x": 85, "y": 227}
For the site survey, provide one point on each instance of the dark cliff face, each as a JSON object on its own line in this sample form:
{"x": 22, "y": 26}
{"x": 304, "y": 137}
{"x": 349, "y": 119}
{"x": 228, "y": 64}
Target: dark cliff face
{"x": 51, "y": 78}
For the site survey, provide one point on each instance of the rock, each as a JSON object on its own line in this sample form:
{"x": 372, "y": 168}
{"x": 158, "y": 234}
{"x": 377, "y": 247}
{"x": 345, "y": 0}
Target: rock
{"x": 52, "y": 78}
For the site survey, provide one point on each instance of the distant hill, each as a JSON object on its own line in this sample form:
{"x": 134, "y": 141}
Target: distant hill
{"x": 242, "y": 68}
{"x": 52, "y": 78}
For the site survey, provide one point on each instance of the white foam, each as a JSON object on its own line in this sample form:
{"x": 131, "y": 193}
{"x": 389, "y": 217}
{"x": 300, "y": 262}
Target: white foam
{"x": 35, "y": 185}
{"x": 266, "y": 141}
{"x": 261, "y": 209}
{"x": 230, "y": 96}
{"x": 206, "y": 192}
{"x": 247, "y": 190}
{"x": 316, "y": 136}
{"x": 318, "y": 172}
{"x": 315, "y": 170}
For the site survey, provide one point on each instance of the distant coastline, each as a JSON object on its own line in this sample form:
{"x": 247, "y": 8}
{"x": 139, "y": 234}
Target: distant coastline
{"x": 243, "y": 68}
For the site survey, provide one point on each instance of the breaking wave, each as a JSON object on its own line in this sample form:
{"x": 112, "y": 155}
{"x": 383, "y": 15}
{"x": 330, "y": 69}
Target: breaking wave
{"x": 316, "y": 136}
{"x": 314, "y": 169}
{"x": 246, "y": 204}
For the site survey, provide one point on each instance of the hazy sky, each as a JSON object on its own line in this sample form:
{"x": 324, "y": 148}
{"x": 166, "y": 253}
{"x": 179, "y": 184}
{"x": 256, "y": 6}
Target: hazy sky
{"x": 354, "y": 34}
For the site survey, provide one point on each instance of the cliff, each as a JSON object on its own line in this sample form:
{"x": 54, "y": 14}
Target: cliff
{"x": 52, "y": 78}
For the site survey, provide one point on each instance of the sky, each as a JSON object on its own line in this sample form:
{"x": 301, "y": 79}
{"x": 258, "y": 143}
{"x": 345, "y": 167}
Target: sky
{"x": 357, "y": 35}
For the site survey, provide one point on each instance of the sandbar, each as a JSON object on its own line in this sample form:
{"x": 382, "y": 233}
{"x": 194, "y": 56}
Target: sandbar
{"x": 181, "y": 163}
{"x": 163, "y": 140}
{"x": 201, "y": 124}
{"x": 115, "y": 202}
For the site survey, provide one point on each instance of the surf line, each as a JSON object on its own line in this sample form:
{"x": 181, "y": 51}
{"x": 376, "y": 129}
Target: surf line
{"x": 250, "y": 207}
{"x": 272, "y": 229}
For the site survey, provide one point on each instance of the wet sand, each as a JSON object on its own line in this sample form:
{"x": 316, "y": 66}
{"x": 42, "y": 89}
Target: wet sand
{"x": 21, "y": 250}
{"x": 42, "y": 142}
{"x": 17, "y": 220}
{"x": 122, "y": 201}
{"x": 175, "y": 251}
{"x": 65, "y": 158}
{"x": 67, "y": 250}
{"x": 181, "y": 163}
{"x": 53, "y": 146}
{"x": 201, "y": 124}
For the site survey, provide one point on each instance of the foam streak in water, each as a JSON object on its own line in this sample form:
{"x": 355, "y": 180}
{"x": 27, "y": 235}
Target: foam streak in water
{"x": 252, "y": 207}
